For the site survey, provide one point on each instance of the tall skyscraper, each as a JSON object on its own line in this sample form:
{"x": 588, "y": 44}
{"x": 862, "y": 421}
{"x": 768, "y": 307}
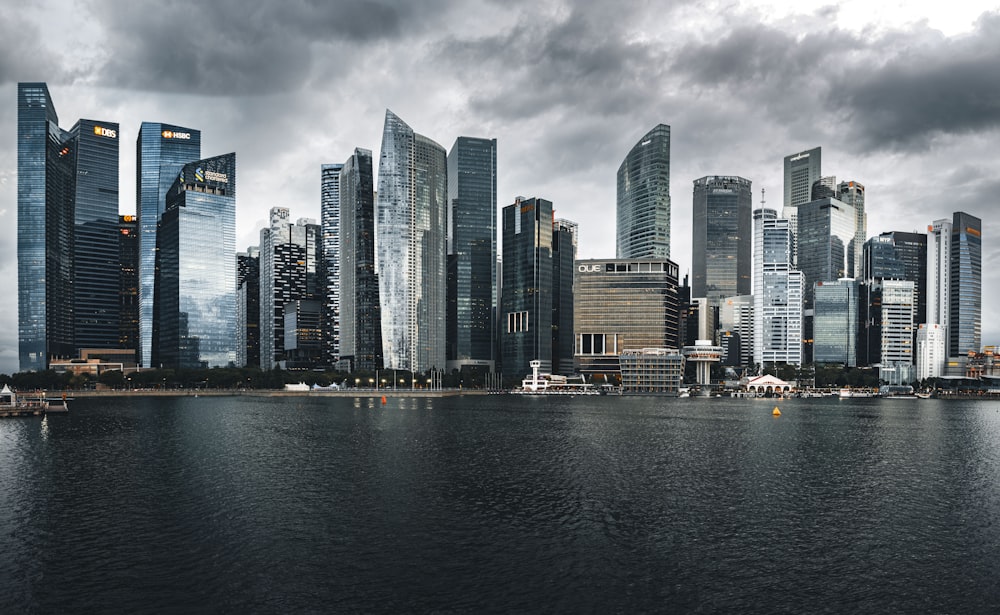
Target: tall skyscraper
{"x": 330, "y": 222}
{"x": 853, "y": 194}
{"x": 69, "y": 278}
{"x": 472, "y": 252}
{"x": 966, "y": 296}
{"x": 412, "y": 233}
{"x": 563, "y": 266}
{"x": 802, "y": 170}
{"x": 195, "y": 285}
{"x": 360, "y": 312}
{"x": 644, "y": 198}
{"x": 160, "y": 150}
{"x": 897, "y": 332}
{"x": 128, "y": 258}
{"x": 825, "y": 239}
{"x": 939, "y": 272}
{"x": 723, "y": 238}
{"x": 289, "y": 271}
{"x": 248, "y": 308}
{"x": 526, "y": 298}
{"x": 779, "y": 291}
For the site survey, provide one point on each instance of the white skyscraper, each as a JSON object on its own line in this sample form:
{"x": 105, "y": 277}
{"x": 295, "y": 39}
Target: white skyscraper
{"x": 779, "y": 292}
{"x": 802, "y": 170}
{"x": 412, "y": 217}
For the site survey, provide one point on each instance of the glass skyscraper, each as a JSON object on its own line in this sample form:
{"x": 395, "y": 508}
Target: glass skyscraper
{"x": 128, "y": 251}
{"x": 526, "y": 297}
{"x": 160, "y": 150}
{"x": 825, "y": 238}
{"x": 472, "y": 252}
{"x": 966, "y": 297}
{"x": 248, "y": 308}
{"x": 195, "y": 286}
{"x": 779, "y": 292}
{"x": 835, "y": 324}
{"x": 412, "y": 233}
{"x": 643, "y": 215}
{"x": 723, "y": 238}
{"x": 360, "y": 312}
{"x": 68, "y": 249}
{"x": 332, "y": 234}
{"x": 853, "y": 194}
{"x": 802, "y": 170}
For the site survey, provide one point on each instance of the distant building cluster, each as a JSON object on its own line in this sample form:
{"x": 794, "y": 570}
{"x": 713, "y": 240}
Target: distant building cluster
{"x": 404, "y": 272}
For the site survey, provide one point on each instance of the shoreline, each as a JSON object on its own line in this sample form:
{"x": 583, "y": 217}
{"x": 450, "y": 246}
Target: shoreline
{"x": 367, "y": 393}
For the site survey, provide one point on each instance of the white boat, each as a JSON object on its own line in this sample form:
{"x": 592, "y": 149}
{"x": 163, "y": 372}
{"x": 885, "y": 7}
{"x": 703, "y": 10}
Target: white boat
{"x": 537, "y": 383}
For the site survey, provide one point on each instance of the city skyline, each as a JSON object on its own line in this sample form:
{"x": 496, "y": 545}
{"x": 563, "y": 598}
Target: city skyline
{"x": 919, "y": 162}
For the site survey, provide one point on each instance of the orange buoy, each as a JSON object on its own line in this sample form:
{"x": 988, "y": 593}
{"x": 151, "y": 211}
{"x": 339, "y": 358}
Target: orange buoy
{"x": 383, "y": 400}
{"x": 776, "y": 412}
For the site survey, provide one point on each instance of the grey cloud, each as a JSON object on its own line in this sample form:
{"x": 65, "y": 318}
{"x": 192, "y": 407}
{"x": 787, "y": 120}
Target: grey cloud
{"x": 231, "y": 47}
{"x": 22, "y": 54}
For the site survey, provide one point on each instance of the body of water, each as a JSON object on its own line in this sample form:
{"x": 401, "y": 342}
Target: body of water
{"x": 502, "y": 504}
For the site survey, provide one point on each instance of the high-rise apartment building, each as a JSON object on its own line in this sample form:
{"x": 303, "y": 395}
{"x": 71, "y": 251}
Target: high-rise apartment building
{"x": 289, "y": 271}
{"x": 472, "y": 252}
{"x": 966, "y": 296}
{"x": 69, "y": 278}
{"x": 195, "y": 285}
{"x": 360, "y": 312}
{"x": 723, "y": 238}
{"x": 622, "y": 305}
{"x": 802, "y": 170}
{"x": 161, "y": 150}
{"x": 412, "y": 233}
{"x": 330, "y": 221}
{"x": 779, "y": 291}
{"x": 835, "y": 328}
{"x": 643, "y": 214}
{"x": 128, "y": 304}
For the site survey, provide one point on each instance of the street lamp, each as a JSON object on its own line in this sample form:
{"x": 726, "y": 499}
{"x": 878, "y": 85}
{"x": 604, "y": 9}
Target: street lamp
{"x": 371, "y": 383}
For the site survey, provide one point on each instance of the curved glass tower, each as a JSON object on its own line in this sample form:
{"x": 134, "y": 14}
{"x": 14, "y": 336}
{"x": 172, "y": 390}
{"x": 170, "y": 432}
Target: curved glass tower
{"x": 644, "y": 198}
{"x": 412, "y": 234}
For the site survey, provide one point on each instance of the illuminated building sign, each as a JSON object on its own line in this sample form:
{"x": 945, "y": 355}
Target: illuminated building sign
{"x": 799, "y": 157}
{"x": 169, "y": 134}
{"x": 101, "y": 131}
{"x": 212, "y": 176}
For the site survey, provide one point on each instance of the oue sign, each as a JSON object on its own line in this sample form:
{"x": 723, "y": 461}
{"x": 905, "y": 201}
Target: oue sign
{"x": 588, "y": 268}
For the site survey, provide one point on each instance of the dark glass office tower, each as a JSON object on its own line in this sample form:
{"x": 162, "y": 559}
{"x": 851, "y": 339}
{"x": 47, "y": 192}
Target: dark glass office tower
{"x": 643, "y": 214}
{"x": 472, "y": 251}
{"x": 723, "y": 238}
{"x": 966, "y": 297}
{"x": 161, "y": 150}
{"x": 248, "y": 308}
{"x": 360, "y": 312}
{"x": 897, "y": 255}
{"x": 331, "y": 260}
{"x": 128, "y": 256}
{"x": 526, "y": 296}
{"x": 46, "y": 165}
{"x": 97, "y": 273}
{"x": 195, "y": 287}
{"x": 826, "y": 233}
{"x": 563, "y": 267}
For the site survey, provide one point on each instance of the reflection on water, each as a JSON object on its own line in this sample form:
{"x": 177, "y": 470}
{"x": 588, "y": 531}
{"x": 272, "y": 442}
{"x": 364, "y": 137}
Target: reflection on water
{"x": 502, "y": 503}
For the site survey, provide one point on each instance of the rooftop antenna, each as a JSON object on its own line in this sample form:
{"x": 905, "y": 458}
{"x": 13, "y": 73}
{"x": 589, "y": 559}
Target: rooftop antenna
{"x": 762, "y": 198}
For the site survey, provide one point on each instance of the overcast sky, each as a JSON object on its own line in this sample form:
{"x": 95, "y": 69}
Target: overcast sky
{"x": 904, "y": 99}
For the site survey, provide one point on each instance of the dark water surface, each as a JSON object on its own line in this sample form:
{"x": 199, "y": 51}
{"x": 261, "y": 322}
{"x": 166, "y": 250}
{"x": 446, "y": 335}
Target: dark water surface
{"x": 501, "y": 504}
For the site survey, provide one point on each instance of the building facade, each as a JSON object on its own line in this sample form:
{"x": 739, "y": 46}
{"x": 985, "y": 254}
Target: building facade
{"x": 853, "y": 194}
{"x": 932, "y": 350}
{"x": 835, "y": 329}
{"x": 360, "y": 312}
{"x": 332, "y": 235}
{"x": 128, "y": 304}
{"x": 472, "y": 253}
{"x": 623, "y": 305}
{"x": 966, "y": 296}
{"x": 779, "y": 292}
{"x": 643, "y": 213}
{"x": 826, "y": 233}
{"x": 195, "y": 286}
{"x": 801, "y": 171}
{"x": 161, "y": 150}
{"x": 248, "y": 308}
{"x": 412, "y": 233}
{"x": 897, "y": 332}
{"x": 722, "y": 246}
